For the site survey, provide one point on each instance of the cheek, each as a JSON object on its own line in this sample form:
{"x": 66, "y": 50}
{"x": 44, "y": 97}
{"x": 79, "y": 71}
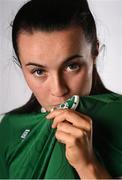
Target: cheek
{"x": 30, "y": 81}
{"x": 87, "y": 82}
{"x": 83, "y": 76}
{"x": 34, "y": 84}
{"x": 83, "y": 82}
{"x": 38, "y": 89}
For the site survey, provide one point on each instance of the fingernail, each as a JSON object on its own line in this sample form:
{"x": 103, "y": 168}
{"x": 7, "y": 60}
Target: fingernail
{"x": 48, "y": 116}
{"x": 52, "y": 126}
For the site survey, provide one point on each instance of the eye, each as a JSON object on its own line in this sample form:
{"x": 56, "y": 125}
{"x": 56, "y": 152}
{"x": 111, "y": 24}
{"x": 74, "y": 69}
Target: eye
{"x": 38, "y": 72}
{"x": 73, "y": 67}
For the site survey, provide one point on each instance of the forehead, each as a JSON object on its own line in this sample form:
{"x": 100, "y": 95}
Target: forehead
{"x": 52, "y": 44}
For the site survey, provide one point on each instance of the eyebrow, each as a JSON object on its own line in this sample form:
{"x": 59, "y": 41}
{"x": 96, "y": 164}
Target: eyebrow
{"x": 69, "y": 59}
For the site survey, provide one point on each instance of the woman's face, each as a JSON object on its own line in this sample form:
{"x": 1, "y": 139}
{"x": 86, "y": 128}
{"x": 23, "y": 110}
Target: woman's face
{"x": 56, "y": 65}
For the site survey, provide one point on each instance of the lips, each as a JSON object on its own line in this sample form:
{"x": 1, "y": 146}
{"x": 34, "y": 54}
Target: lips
{"x": 61, "y": 102}
{"x": 58, "y": 103}
{"x": 55, "y": 105}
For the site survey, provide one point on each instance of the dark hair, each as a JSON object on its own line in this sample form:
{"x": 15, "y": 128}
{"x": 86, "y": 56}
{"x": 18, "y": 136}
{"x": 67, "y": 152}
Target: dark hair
{"x": 51, "y": 15}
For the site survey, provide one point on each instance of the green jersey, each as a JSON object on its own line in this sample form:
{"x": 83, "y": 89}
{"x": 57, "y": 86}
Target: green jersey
{"x": 29, "y": 149}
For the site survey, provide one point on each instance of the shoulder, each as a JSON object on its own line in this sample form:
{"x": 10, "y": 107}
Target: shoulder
{"x": 1, "y": 117}
{"x": 17, "y": 118}
{"x": 20, "y": 118}
{"x": 105, "y": 110}
{"x": 109, "y": 104}
{"x": 4, "y": 132}
{"x": 21, "y": 114}
{"x": 96, "y": 102}
{"x": 13, "y": 124}
{"x": 106, "y": 97}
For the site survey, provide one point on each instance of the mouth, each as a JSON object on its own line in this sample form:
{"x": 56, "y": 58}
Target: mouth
{"x": 55, "y": 106}
{"x": 59, "y": 103}
{"x": 70, "y": 103}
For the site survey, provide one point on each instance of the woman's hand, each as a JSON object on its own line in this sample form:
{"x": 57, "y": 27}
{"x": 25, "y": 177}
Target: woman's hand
{"x": 75, "y": 131}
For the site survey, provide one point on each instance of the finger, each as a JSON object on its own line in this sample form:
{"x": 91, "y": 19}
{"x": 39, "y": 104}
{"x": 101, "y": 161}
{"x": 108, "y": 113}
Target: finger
{"x": 54, "y": 113}
{"x": 70, "y": 129}
{"x": 72, "y": 117}
{"x": 65, "y": 138}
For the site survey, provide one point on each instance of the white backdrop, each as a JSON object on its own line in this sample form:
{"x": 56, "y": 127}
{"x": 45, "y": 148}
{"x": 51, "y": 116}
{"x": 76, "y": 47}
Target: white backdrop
{"x": 108, "y": 14}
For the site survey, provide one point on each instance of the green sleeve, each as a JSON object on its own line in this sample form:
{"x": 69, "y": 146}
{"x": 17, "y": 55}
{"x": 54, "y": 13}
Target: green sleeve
{"x": 3, "y": 168}
{"x": 4, "y": 139}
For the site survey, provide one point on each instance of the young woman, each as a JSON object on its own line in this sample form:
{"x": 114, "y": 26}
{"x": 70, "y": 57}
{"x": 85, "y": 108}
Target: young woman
{"x": 56, "y": 46}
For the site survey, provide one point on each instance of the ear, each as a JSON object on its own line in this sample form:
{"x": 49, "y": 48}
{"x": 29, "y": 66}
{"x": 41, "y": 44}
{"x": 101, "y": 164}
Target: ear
{"x": 95, "y": 52}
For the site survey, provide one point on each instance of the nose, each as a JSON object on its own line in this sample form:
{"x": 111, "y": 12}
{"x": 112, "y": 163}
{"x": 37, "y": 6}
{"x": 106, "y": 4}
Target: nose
{"x": 59, "y": 87}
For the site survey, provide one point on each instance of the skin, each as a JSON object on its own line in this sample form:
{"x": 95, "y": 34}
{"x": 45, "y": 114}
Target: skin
{"x": 52, "y": 50}
{"x": 57, "y": 65}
